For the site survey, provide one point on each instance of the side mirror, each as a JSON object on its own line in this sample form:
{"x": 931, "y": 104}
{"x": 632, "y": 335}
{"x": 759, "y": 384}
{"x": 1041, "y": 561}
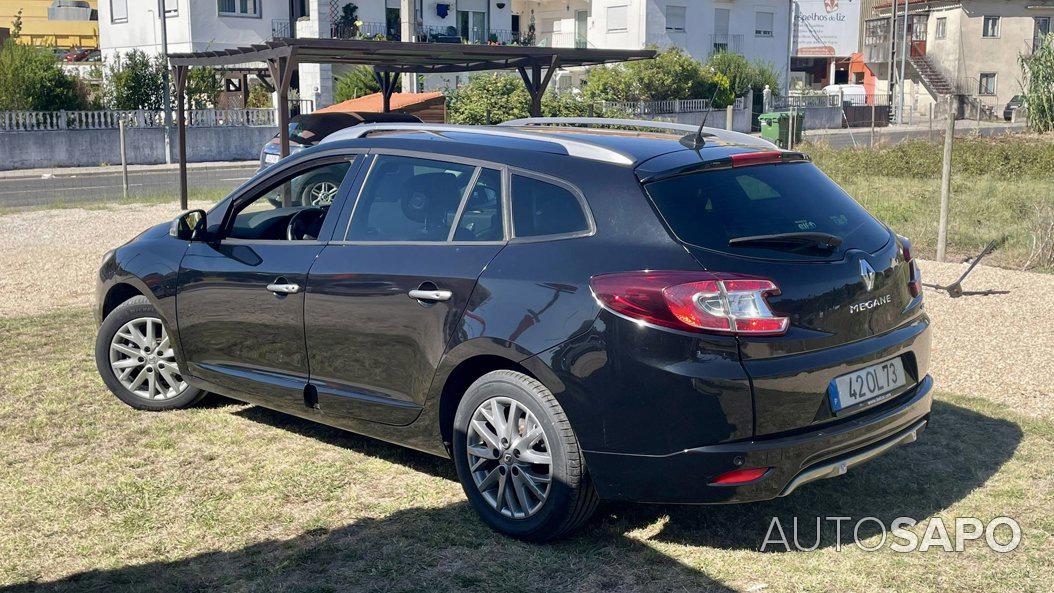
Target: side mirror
{"x": 189, "y": 226}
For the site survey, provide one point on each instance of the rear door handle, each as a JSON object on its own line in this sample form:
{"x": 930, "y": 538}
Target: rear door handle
{"x": 283, "y": 288}
{"x": 431, "y": 295}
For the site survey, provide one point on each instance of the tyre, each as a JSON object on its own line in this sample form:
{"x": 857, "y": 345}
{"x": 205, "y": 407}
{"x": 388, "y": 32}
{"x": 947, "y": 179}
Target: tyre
{"x": 137, "y": 363}
{"x": 518, "y": 459}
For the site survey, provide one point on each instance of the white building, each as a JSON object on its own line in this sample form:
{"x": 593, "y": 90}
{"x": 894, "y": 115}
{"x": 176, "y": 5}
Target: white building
{"x": 757, "y": 29}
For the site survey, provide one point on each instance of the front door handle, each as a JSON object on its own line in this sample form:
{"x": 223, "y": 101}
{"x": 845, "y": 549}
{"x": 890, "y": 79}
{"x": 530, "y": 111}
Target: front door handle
{"x": 278, "y": 288}
{"x": 431, "y": 295}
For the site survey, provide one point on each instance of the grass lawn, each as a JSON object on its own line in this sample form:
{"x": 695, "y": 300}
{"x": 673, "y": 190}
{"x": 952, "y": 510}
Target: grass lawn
{"x": 97, "y": 496}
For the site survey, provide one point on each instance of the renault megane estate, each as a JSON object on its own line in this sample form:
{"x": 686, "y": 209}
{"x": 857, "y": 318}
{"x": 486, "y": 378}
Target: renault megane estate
{"x": 572, "y": 310}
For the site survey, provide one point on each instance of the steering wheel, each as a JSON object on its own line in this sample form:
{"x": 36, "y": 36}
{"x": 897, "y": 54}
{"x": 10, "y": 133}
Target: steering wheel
{"x": 305, "y": 224}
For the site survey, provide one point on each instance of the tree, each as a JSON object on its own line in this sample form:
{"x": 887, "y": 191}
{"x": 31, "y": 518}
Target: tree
{"x": 673, "y": 74}
{"x": 358, "y": 82}
{"x": 1038, "y": 86}
{"x": 743, "y": 74}
{"x": 494, "y": 98}
{"x": 30, "y": 79}
{"x": 203, "y": 88}
{"x": 135, "y": 81}
{"x": 16, "y": 24}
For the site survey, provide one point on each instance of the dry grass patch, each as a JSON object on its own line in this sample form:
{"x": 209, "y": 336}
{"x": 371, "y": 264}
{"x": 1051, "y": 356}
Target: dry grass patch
{"x": 97, "y": 496}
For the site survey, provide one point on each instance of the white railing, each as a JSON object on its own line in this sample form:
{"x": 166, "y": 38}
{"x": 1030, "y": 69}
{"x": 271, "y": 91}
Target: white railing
{"x": 640, "y": 108}
{"x": 34, "y": 121}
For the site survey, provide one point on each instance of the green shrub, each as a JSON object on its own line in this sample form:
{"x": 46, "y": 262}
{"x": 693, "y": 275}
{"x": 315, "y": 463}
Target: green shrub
{"x": 31, "y": 79}
{"x": 1038, "y": 74}
{"x": 743, "y": 74}
{"x": 494, "y": 98}
{"x": 673, "y": 74}
{"x": 358, "y": 82}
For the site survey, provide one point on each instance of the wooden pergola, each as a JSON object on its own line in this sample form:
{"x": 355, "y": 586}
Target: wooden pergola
{"x": 536, "y": 66}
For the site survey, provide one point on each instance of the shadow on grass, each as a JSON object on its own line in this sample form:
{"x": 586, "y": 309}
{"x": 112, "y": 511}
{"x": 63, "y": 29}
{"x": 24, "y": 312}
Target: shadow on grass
{"x": 448, "y": 548}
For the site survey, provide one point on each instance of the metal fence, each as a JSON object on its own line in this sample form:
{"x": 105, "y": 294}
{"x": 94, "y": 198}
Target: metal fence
{"x": 33, "y": 121}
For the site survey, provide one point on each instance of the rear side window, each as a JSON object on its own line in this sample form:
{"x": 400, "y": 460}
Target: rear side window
{"x": 710, "y": 208}
{"x": 409, "y": 199}
{"x": 540, "y": 209}
{"x": 481, "y": 219}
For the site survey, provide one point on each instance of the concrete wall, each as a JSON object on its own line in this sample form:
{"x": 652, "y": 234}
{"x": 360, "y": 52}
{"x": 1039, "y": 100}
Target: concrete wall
{"x": 741, "y": 119}
{"x": 87, "y": 148}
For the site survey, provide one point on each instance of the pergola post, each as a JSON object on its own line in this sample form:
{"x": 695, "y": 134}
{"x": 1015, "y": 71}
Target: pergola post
{"x": 387, "y": 83}
{"x": 281, "y": 69}
{"x": 179, "y": 73}
{"x": 537, "y": 83}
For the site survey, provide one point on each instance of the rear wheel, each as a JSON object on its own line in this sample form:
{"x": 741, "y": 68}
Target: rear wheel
{"x": 518, "y": 459}
{"x": 135, "y": 359}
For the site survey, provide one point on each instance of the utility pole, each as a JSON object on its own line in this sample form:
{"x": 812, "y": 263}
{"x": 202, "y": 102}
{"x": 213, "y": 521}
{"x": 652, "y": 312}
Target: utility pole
{"x": 166, "y": 92}
{"x": 892, "y": 55}
{"x": 407, "y": 20}
{"x": 903, "y": 64}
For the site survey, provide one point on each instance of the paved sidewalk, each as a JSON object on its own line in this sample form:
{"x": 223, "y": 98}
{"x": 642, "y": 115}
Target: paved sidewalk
{"x": 894, "y": 134}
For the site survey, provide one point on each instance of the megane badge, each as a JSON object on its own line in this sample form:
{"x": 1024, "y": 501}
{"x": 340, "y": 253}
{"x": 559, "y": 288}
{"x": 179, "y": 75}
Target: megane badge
{"x": 868, "y": 274}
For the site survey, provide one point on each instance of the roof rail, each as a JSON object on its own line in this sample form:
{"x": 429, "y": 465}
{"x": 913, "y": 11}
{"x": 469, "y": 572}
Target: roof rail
{"x": 575, "y": 148}
{"x": 597, "y": 122}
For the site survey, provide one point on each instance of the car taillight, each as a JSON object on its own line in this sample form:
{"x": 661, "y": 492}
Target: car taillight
{"x": 914, "y": 273}
{"x": 692, "y": 301}
{"x": 745, "y": 159}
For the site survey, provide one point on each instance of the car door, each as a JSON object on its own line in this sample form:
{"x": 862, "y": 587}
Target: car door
{"x": 384, "y": 301}
{"x": 240, "y": 300}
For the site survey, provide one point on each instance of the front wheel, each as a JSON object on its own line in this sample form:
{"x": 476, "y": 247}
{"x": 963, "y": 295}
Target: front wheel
{"x": 518, "y": 459}
{"x": 136, "y": 361}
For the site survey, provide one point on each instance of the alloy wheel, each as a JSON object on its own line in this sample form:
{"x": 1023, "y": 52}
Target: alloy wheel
{"x": 509, "y": 457}
{"x": 142, "y": 359}
{"x": 322, "y": 193}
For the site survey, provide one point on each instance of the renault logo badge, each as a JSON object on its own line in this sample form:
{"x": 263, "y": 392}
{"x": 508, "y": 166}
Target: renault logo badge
{"x": 868, "y": 274}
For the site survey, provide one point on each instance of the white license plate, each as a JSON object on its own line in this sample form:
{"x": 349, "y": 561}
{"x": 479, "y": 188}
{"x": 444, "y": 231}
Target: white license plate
{"x": 270, "y": 158}
{"x": 867, "y": 384}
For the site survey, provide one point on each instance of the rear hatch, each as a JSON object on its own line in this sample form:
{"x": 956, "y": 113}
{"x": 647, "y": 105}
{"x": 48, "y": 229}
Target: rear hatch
{"x": 843, "y": 277}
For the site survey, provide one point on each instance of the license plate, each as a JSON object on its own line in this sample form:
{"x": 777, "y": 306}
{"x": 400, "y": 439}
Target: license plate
{"x": 270, "y": 158}
{"x": 867, "y": 384}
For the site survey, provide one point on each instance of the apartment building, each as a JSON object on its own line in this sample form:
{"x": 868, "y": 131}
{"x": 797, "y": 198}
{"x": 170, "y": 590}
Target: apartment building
{"x": 969, "y": 48}
{"x": 65, "y": 24}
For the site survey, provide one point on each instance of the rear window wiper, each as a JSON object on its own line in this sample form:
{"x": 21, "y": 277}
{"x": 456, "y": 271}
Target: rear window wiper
{"x": 823, "y": 241}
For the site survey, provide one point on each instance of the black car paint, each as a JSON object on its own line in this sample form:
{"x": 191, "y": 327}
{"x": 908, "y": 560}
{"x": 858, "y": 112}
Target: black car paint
{"x": 639, "y": 399}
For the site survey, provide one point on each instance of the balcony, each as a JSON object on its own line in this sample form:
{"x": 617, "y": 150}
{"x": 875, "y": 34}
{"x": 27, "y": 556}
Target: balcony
{"x": 367, "y": 30}
{"x": 720, "y": 42}
{"x": 390, "y": 32}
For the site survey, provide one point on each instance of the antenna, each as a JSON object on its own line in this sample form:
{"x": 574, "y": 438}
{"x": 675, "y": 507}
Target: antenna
{"x": 696, "y": 141}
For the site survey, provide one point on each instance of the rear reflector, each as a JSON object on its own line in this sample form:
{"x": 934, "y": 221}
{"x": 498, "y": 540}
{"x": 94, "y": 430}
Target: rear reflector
{"x": 745, "y": 159}
{"x": 740, "y": 476}
{"x": 692, "y": 301}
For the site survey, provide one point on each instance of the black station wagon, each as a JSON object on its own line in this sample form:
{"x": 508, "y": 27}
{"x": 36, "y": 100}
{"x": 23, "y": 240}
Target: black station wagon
{"x": 573, "y": 310}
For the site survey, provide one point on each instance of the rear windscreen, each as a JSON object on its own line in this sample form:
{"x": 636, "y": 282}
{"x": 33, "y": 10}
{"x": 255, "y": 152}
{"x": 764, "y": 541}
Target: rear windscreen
{"x": 710, "y": 208}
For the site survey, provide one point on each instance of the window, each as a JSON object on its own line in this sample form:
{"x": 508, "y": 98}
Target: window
{"x": 171, "y": 7}
{"x": 118, "y": 11}
{"x": 239, "y": 7}
{"x": 942, "y": 28}
{"x": 986, "y": 83}
{"x": 407, "y": 199}
{"x": 481, "y": 218}
{"x": 676, "y": 18}
{"x": 710, "y": 208}
{"x": 618, "y": 19}
{"x": 540, "y": 208}
{"x": 763, "y": 24}
{"x": 990, "y": 27}
{"x": 310, "y": 194}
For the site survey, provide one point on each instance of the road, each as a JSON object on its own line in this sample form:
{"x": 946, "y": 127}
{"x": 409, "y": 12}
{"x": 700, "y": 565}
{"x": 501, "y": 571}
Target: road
{"x": 70, "y": 186}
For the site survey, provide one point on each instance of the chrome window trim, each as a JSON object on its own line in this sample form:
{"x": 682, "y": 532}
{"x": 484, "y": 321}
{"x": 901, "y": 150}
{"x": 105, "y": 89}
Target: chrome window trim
{"x": 461, "y": 206}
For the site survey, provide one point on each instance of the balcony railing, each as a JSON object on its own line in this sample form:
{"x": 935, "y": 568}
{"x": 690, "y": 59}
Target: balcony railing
{"x": 366, "y": 30}
{"x": 279, "y": 28}
{"x": 720, "y": 42}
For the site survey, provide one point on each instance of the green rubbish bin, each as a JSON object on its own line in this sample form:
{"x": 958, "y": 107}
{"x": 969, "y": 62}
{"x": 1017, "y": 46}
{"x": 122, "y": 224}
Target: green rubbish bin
{"x": 775, "y": 127}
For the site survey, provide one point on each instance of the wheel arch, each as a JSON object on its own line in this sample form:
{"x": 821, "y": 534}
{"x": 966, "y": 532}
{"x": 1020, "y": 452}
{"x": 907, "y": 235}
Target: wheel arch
{"x": 460, "y": 378}
{"x": 119, "y": 293}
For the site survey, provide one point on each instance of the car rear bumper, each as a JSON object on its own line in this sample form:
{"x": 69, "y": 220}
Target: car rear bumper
{"x": 685, "y": 476}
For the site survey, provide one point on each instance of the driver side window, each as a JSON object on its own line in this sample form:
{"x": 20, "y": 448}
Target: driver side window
{"x": 292, "y": 209}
